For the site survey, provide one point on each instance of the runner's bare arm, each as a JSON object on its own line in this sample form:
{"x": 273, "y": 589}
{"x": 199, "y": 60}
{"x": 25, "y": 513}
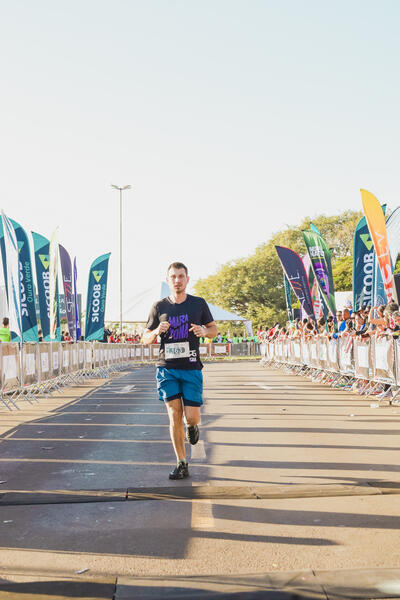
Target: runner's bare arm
{"x": 209, "y": 330}
{"x": 149, "y": 335}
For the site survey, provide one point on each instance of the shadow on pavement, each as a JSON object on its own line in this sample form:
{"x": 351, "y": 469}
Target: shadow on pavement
{"x": 54, "y": 590}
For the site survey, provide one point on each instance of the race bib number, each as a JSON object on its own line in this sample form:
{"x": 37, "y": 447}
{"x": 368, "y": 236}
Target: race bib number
{"x": 177, "y": 350}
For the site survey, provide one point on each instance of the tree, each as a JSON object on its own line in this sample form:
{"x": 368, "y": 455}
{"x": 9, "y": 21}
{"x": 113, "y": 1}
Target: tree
{"x": 342, "y": 273}
{"x": 253, "y": 286}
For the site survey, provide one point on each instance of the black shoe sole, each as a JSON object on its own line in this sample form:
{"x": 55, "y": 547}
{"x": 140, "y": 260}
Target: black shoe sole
{"x": 193, "y": 443}
{"x": 174, "y": 477}
{"x": 180, "y": 472}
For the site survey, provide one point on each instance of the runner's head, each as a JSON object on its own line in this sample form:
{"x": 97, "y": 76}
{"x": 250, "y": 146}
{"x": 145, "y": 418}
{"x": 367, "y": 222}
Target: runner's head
{"x": 177, "y": 277}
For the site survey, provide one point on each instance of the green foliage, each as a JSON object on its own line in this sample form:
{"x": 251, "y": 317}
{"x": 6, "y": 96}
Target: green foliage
{"x": 253, "y": 287}
{"x": 342, "y": 273}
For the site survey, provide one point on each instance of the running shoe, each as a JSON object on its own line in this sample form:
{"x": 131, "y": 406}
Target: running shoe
{"x": 181, "y": 471}
{"x": 192, "y": 434}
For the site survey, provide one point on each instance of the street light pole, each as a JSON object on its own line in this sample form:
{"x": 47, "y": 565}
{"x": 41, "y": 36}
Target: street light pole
{"x": 121, "y": 189}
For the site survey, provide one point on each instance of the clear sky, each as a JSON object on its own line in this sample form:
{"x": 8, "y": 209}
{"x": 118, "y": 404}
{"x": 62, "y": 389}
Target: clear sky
{"x": 230, "y": 119}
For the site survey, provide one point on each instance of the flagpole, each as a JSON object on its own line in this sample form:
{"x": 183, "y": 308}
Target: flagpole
{"x": 121, "y": 189}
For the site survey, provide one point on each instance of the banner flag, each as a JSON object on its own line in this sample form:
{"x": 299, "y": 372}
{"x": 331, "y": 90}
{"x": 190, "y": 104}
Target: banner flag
{"x": 53, "y": 281}
{"x": 377, "y": 228}
{"x": 66, "y": 272}
{"x": 363, "y": 266}
{"x": 379, "y": 288}
{"x": 77, "y": 315}
{"x": 13, "y": 278}
{"x": 317, "y": 301}
{"x": 42, "y": 262}
{"x": 315, "y": 228}
{"x": 368, "y": 287}
{"x": 288, "y": 296}
{"x": 27, "y": 288}
{"x": 96, "y": 298}
{"x": 295, "y": 272}
{"x": 393, "y": 233}
{"x": 320, "y": 257}
{"x": 41, "y": 246}
{"x": 319, "y": 306}
{"x": 307, "y": 265}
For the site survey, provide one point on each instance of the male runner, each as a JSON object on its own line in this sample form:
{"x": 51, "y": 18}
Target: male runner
{"x": 180, "y": 320}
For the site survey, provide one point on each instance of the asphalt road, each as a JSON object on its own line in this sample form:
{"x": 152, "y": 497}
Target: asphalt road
{"x": 288, "y": 477}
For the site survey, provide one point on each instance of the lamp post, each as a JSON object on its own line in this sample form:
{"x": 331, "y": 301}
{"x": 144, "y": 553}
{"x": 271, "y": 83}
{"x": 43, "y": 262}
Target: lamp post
{"x": 121, "y": 189}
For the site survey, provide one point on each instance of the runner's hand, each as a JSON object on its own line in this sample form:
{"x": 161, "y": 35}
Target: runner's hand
{"x": 198, "y": 330}
{"x": 163, "y": 327}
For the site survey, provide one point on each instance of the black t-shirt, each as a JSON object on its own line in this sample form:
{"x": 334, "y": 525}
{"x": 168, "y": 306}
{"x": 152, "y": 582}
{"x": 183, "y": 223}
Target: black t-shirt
{"x": 178, "y": 340}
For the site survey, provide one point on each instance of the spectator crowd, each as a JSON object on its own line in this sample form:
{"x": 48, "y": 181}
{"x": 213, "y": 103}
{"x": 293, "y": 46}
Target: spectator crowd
{"x": 366, "y": 322}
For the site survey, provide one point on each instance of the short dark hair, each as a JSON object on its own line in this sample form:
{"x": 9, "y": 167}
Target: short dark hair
{"x": 177, "y": 265}
{"x": 6, "y": 321}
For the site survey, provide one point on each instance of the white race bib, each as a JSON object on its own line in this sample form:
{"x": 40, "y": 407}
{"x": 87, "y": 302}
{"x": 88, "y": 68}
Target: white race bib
{"x": 177, "y": 350}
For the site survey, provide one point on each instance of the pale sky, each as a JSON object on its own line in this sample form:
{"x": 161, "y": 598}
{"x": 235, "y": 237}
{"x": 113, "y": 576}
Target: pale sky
{"x": 230, "y": 119}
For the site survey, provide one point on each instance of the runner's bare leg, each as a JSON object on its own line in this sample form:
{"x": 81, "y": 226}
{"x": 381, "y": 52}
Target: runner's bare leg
{"x": 176, "y": 429}
{"x": 192, "y": 415}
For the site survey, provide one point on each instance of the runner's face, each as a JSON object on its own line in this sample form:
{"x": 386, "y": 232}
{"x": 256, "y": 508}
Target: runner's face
{"x": 177, "y": 280}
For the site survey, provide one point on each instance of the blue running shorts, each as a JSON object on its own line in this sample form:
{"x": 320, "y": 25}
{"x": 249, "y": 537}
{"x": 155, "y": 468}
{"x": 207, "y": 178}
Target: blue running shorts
{"x": 180, "y": 383}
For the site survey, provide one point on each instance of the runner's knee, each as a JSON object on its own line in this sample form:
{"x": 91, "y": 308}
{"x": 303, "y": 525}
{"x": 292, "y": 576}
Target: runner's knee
{"x": 192, "y": 415}
{"x": 175, "y": 415}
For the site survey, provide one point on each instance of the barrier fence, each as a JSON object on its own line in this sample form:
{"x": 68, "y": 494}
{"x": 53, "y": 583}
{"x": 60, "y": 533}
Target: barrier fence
{"x": 40, "y": 369}
{"x": 32, "y": 370}
{"x": 363, "y": 365}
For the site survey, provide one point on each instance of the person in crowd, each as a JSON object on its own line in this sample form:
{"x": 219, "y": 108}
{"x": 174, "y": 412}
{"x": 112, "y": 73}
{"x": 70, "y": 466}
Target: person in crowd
{"x": 376, "y": 314}
{"x": 308, "y": 331}
{"x": 298, "y": 329}
{"x": 5, "y": 335}
{"x": 360, "y": 324}
{"x": 346, "y": 316}
{"x": 383, "y": 328}
{"x": 396, "y": 325}
{"x": 40, "y": 335}
{"x": 282, "y": 334}
{"x": 274, "y": 332}
{"x": 321, "y": 326}
{"x": 349, "y": 329}
{"x": 392, "y": 307}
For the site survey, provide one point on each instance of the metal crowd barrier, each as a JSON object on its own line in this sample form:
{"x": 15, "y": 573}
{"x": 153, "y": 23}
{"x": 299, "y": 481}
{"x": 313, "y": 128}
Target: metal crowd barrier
{"x": 366, "y": 366}
{"x": 42, "y": 369}
{"x": 34, "y": 370}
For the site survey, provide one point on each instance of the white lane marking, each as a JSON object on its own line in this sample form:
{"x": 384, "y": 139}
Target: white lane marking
{"x": 198, "y": 452}
{"x": 277, "y": 387}
{"x": 125, "y": 390}
{"x": 264, "y": 387}
{"x": 389, "y": 587}
{"x": 202, "y": 515}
